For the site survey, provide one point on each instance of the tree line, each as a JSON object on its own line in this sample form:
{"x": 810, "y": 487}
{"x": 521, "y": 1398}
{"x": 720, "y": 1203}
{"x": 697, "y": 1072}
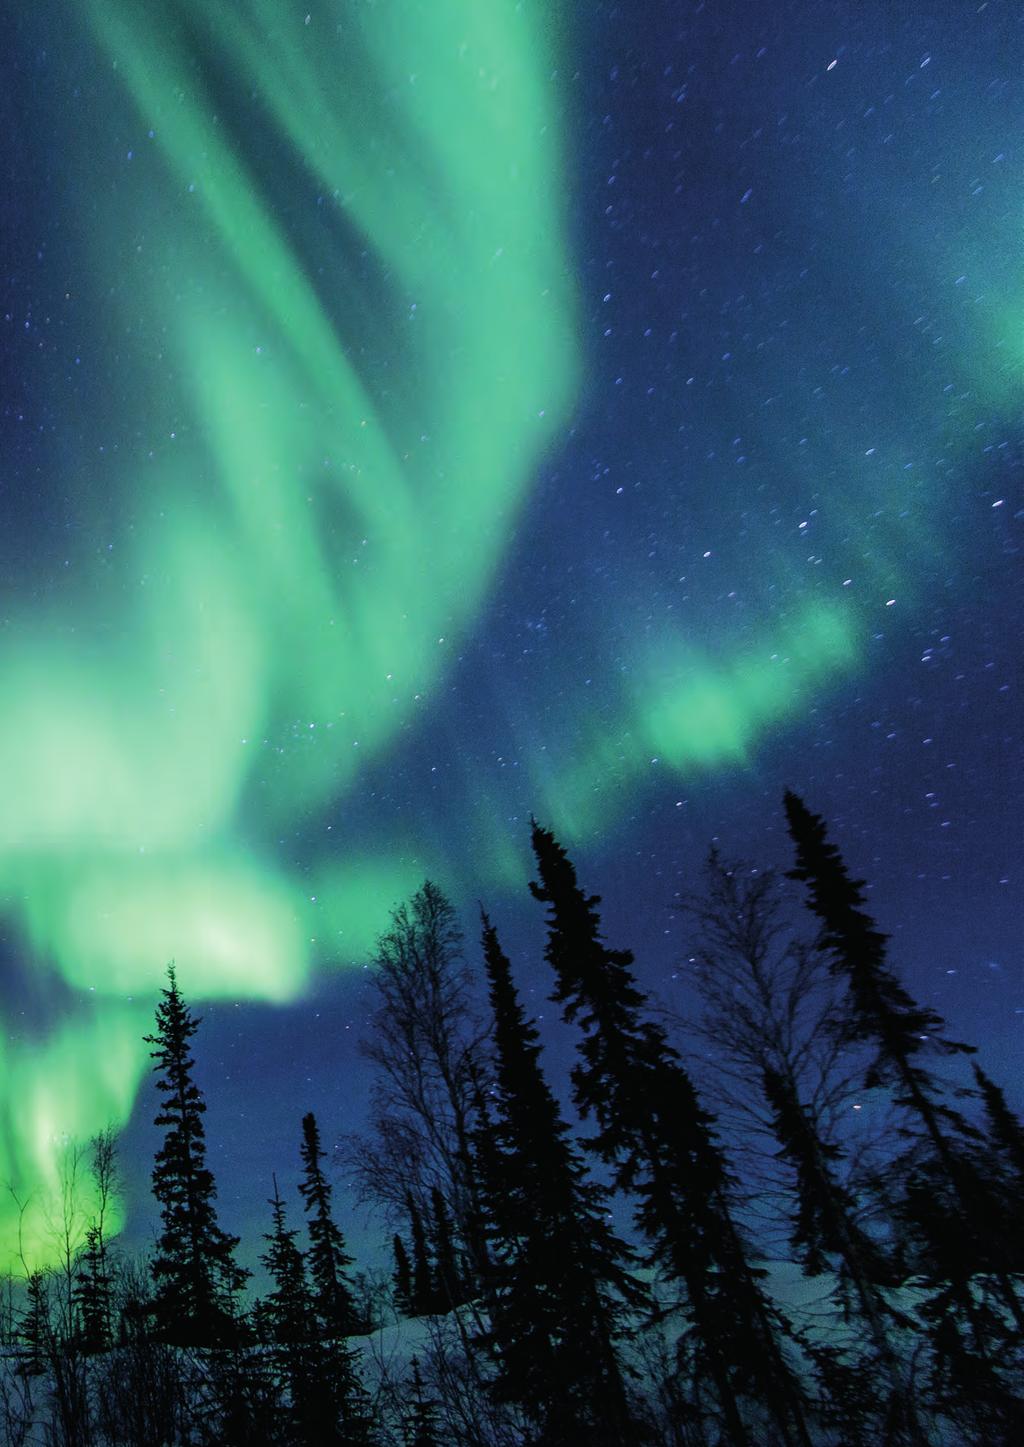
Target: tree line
{"x": 791, "y": 1218}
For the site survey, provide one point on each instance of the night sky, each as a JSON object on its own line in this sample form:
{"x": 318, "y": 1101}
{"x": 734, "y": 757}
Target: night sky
{"x": 416, "y": 416}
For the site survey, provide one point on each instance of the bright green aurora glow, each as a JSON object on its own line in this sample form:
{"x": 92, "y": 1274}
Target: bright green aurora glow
{"x": 330, "y": 416}
{"x": 312, "y": 537}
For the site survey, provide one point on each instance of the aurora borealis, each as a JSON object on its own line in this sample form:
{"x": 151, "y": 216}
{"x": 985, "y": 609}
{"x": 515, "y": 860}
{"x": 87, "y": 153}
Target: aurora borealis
{"x": 422, "y": 414}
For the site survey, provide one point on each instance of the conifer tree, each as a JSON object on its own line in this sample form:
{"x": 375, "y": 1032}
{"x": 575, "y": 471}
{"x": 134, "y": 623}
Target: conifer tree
{"x": 825, "y": 1224}
{"x": 661, "y": 1142}
{"x": 559, "y": 1275}
{"x": 323, "y": 1403}
{"x": 1007, "y": 1135}
{"x": 450, "y": 1288}
{"x": 827, "y": 1235}
{"x": 93, "y": 1289}
{"x": 424, "y": 1287}
{"x": 947, "y": 1203}
{"x": 881, "y": 1009}
{"x": 36, "y": 1332}
{"x": 195, "y": 1275}
{"x": 328, "y": 1260}
{"x": 903, "y": 1034}
{"x": 423, "y": 1429}
{"x": 287, "y": 1311}
{"x": 402, "y": 1276}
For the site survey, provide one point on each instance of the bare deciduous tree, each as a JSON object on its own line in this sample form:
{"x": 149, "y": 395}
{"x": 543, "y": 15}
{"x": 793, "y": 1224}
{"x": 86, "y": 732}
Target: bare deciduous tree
{"x": 426, "y": 1042}
{"x": 769, "y": 1003}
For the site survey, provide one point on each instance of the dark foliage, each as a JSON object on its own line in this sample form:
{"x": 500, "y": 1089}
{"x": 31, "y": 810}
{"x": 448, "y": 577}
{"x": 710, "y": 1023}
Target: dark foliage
{"x": 93, "y": 1289}
{"x": 423, "y": 1428}
{"x": 559, "y": 1275}
{"x": 424, "y": 1300}
{"x": 196, "y": 1277}
{"x": 950, "y": 1193}
{"x": 534, "y": 1305}
{"x": 402, "y": 1276}
{"x": 319, "y": 1398}
{"x": 328, "y": 1260}
{"x": 661, "y": 1143}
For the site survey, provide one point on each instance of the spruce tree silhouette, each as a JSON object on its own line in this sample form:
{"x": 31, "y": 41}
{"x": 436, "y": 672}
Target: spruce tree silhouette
{"x": 1007, "y": 1136}
{"x": 328, "y": 1261}
{"x": 827, "y": 1236}
{"x": 450, "y": 1287}
{"x": 559, "y": 1276}
{"x": 35, "y": 1330}
{"x": 661, "y": 1143}
{"x": 195, "y": 1275}
{"x": 948, "y": 1199}
{"x": 321, "y": 1399}
{"x": 93, "y": 1293}
{"x": 402, "y": 1276}
{"x": 286, "y": 1316}
{"x": 424, "y": 1300}
{"x": 288, "y": 1309}
{"x": 882, "y": 1010}
{"x": 423, "y": 1429}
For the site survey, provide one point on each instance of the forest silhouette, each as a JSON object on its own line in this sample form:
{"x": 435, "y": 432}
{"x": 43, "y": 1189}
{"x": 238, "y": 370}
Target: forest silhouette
{"x": 793, "y": 1219}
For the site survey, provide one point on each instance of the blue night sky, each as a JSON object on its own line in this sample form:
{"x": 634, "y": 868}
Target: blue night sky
{"x": 752, "y": 273}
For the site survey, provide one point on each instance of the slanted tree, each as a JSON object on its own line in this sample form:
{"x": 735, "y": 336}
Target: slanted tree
{"x": 827, "y": 1236}
{"x": 770, "y": 1008}
{"x": 287, "y": 1312}
{"x": 327, "y": 1258}
{"x": 402, "y": 1276}
{"x": 196, "y": 1277}
{"x": 559, "y": 1276}
{"x": 662, "y": 1146}
{"x": 947, "y": 1202}
{"x": 769, "y": 1001}
{"x": 1007, "y": 1135}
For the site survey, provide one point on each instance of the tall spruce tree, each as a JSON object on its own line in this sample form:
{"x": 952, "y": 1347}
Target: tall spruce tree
{"x": 559, "y": 1276}
{"x": 1007, "y": 1136}
{"x": 93, "y": 1292}
{"x": 451, "y": 1288}
{"x": 327, "y": 1257}
{"x": 93, "y": 1286}
{"x": 661, "y": 1143}
{"x": 286, "y": 1322}
{"x": 949, "y": 1198}
{"x": 827, "y": 1236}
{"x": 287, "y": 1311}
{"x": 422, "y": 1428}
{"x": 401, "y": 1277}
{"x": 321, "y": 1399}
{"x": 424, "y": 1299}
{"x": 195, "y": 1275}
{"x": 35, "y": 1328}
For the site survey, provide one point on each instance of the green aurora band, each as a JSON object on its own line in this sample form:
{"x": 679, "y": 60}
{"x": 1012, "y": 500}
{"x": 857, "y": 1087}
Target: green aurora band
{"x": 333, "y": 416}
